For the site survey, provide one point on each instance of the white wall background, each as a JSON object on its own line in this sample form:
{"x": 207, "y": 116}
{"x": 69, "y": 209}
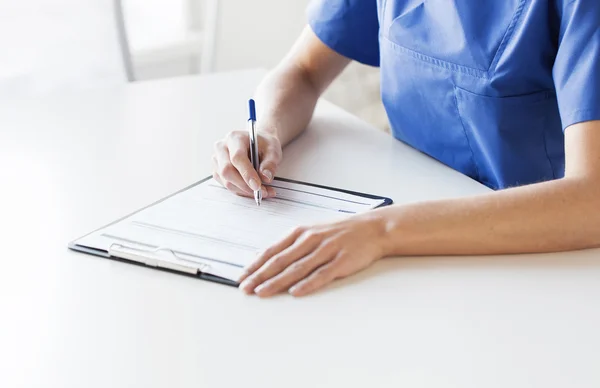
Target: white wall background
{"x": 54, "y": 45}
{"x": 270, "y": 25}
{"x": 65, "y": 44}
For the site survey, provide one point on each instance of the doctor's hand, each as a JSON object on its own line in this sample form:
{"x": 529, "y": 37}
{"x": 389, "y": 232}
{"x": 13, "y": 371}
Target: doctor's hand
{"x": 232, "y": 166}
{"x": 311, "y": 257}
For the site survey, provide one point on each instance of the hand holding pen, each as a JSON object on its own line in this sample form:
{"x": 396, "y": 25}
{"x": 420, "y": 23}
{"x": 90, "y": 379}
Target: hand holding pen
{"x": 232, "y": 165}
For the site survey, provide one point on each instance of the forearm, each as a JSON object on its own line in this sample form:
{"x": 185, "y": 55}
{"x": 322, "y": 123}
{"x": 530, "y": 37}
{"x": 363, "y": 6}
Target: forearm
{"x": 552, "y": 216}
{"x": 286, "y": 100}
{"x": 288, "y": 95}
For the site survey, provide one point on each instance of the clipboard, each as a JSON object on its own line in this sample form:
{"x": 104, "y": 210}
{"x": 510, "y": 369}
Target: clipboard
{"x": 170, "y": 260}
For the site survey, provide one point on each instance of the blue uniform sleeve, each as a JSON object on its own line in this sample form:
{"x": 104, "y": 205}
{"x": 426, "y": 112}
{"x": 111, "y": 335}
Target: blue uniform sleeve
{"x": 577, "y": 67}
{"x": 349, "y": 27}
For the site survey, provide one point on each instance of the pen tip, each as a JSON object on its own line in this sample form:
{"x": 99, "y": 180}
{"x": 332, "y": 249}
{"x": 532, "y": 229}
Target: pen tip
{"x": 258, "y": 197}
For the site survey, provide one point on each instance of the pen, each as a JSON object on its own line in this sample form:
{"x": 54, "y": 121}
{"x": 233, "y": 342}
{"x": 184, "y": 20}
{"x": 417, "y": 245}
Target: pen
{"x": 254, "y": 145}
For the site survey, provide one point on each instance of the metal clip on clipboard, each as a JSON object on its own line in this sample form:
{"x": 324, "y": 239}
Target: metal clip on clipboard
{"x": 159, "y": 257}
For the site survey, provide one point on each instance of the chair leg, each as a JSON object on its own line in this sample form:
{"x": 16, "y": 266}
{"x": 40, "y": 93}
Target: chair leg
{"x": 123, "y": 40}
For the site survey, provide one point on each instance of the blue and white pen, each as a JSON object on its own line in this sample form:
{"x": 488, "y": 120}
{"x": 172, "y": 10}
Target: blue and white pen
{"x": 254, "y": 145}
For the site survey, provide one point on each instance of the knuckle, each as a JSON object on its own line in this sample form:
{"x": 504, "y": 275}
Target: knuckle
{"x": 238, "y": 157}
{"x": 265, "y": 253}
{"x": 331, "y": 244}
{"x": 279, "y": 262}
{"x": 219, "y": 145}
{"x": 299, "y": 267}
{"x": 268, "y": 253}
{"x": 325, "y": 273}
{"x": 244, "y": 174}
{"x": 298, "y": 230}
{"x": 312, "y": 235}
{"x": 227, "y": 170}
{"x": 233, "y": 135}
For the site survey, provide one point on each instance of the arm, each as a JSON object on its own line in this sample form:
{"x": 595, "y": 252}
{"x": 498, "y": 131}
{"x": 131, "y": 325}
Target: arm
{"x": 286, "y": 99}
{"x": 552, "y": 216}
{"x": 288, "y": 94}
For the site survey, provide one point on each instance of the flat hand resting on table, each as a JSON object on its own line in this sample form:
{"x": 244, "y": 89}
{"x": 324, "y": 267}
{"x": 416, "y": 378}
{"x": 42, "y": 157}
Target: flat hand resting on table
{"x": 311, "y": 257}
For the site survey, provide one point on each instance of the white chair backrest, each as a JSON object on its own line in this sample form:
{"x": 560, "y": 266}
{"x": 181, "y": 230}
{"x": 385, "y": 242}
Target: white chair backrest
{"x": 52, "y": 45}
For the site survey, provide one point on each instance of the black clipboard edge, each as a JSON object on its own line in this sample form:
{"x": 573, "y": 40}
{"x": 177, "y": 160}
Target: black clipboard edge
{"x": 104, "y": 254}
{"x": 386, "y": 201}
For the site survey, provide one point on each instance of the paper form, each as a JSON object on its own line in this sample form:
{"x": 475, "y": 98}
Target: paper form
{"x": 208, "y": 224}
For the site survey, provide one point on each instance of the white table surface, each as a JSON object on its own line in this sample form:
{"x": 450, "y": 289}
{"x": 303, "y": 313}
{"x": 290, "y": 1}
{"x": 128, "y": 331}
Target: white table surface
{"x": 76, "y": 162}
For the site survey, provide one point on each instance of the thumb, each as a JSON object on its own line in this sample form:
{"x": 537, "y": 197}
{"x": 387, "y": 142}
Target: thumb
{"x": 269, "y": 164}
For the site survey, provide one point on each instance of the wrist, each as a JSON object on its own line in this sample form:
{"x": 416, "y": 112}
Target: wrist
{"x": 383, "y": 227}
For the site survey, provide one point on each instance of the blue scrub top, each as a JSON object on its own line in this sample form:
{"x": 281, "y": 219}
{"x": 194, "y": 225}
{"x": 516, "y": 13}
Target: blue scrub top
{"x": 485, "y": 86}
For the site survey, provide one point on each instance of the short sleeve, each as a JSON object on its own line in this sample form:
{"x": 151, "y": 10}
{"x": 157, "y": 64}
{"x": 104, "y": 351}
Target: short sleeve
{"x": 577, "y": 66}
{"x": 349, "y": 27}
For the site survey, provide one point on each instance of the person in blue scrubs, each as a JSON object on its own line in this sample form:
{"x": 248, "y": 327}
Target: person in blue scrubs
{"x": 506, "y": 92}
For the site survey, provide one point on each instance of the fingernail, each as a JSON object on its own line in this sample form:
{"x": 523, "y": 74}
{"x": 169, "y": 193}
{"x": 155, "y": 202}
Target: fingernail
{"x": 254, "y": 185}
{"x": 268, "y": 174}
{"x": 293, "y": 290}
{"x": 260, "y": 288}
{"x": 246, "y": 285}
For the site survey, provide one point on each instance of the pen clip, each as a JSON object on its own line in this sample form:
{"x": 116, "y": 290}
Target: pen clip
{"x": 252, "y": 134}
